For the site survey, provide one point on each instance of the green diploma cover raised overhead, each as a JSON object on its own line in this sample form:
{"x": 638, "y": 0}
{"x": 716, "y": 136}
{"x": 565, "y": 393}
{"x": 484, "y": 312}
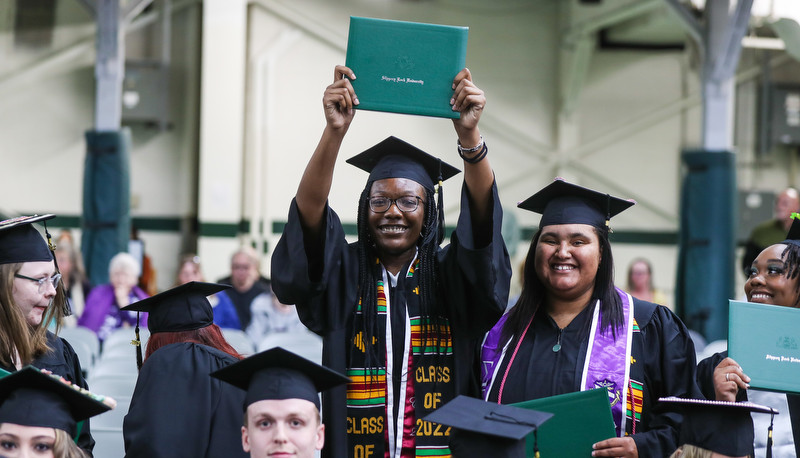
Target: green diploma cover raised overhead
{"x": 580, "y": 419}
{"x": 405, "y": 67}
{"x": 765, "y": 341}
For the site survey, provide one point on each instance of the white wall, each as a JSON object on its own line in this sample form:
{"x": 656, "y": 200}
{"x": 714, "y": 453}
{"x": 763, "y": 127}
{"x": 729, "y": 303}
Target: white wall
{"x": 628, "y": 136}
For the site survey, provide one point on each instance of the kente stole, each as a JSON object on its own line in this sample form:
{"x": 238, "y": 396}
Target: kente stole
{"x": 606, "y": 365}
{"x": 370, "y": 394}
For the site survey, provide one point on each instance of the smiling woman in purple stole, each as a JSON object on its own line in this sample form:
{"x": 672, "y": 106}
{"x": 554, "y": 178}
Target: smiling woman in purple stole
{"x": 573, "y": 330}
{"x": 401, "y": 316}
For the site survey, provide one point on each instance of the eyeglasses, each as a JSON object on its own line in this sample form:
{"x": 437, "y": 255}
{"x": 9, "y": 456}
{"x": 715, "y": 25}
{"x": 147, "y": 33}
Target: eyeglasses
{"x": 43, "y": 281}
{"x": 380, "y": 204}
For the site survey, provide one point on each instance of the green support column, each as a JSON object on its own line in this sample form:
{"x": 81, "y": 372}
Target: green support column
{"x": 106, "y": 224}
{"x": 707, "y": 240}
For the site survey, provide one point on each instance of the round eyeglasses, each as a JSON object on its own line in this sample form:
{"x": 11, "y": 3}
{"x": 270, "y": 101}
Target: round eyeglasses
{"x": 54, "y": 280}
{"x": 380, "y": 204}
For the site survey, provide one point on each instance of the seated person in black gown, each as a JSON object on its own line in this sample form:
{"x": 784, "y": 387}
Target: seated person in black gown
{"x": 573, "y": 330}
{"x": 177, "y": 409}
{"x": 281, "y": 407}
{"x": 40, "y": 415}
{"x": 31, "y": 298}
{"x": 774, "y": 279}
{"x": 398, "y": 313}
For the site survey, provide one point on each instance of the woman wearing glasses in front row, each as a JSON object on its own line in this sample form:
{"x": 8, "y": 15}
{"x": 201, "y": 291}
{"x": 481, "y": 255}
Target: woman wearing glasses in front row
{"x": 772, "y": 279}
{"x": 28, "y": 301}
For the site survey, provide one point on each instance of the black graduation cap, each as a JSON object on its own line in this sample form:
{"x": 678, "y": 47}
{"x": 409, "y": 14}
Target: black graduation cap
{"x": 183, "y": 308}
{"x": 793, "y": 237}
{"x": 719, "y": 426}
{"x": 394, "y": 158}
{"x": 20, "y": 242}
{"x": 562, "y": 202}
{"x": 487, "y": 429}
{"x": 280, "y": 374}
{"x": 29, "y": 397}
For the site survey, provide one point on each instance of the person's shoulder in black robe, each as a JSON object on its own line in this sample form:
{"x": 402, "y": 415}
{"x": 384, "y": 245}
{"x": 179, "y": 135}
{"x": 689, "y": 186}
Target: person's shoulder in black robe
{"x": 178, "y": 410}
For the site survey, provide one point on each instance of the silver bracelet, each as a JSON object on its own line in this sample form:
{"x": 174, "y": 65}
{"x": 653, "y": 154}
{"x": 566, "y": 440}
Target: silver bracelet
{"x": 463, "y": 150}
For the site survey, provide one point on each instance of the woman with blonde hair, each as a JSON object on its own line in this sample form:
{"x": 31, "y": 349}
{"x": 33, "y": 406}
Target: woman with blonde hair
{"x": 39, "y": 415}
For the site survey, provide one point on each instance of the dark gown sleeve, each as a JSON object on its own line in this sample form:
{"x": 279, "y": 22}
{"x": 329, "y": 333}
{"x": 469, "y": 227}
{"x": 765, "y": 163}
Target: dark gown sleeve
{"x": 669, "y": 356}
{"x": 475, "y": 279}
{"x": 319, "y": 279}
{"x": 64, "y": 362}
{"x": 322, "y": 282}
{"x": 178, "y": 410}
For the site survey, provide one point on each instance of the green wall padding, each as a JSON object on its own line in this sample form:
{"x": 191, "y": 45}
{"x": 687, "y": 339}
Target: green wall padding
{"x": 707, "y": 240}
{"x": 106, "y": 222}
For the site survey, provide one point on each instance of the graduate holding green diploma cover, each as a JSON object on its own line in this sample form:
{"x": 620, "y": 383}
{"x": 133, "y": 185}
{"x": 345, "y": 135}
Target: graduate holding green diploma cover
{"x": 763, "y": 343}
{"x": 405, "y": 67}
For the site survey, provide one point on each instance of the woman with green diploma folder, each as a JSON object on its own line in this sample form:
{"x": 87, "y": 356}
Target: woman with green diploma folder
{"x": 400, "y": 315}
{"x": 773, "y": 279}
{"x": 573, "y": 330}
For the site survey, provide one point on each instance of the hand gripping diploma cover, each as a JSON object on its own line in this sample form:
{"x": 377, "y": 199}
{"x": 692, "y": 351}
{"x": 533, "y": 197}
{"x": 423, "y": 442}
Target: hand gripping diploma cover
{"x": 579, "y": 420}
{"x": 765, "y": 341}
{"x": 405, "y": 67}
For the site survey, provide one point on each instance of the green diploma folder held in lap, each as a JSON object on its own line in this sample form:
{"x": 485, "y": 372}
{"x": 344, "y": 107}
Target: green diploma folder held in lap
{"x": 579, "y": 420}
{"x": 405, "y": 67}
{"x": 765, "y": 341}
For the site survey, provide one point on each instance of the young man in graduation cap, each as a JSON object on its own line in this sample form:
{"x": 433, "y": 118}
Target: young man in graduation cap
{"x": 39, "y": 414}
{"x": 573, "y": 330}
{"x": 398, "y": 313}
{"x": 31, "y": 298}
{"x": 177, "y": 409}
{"x": 281, "y": 407}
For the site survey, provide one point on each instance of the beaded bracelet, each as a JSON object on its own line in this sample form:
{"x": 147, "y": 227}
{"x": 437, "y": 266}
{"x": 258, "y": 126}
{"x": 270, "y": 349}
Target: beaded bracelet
{"x": 478, "y": 157}
{"x": 469, "y": 150}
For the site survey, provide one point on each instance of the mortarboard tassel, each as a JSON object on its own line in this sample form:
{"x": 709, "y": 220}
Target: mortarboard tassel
{"x": 137, "y": 342}
{"x": 440, "y": 209}
{"x": 536, "y": 443}
{"x": 769, "y": 436}
{"x": 608, "y": 213}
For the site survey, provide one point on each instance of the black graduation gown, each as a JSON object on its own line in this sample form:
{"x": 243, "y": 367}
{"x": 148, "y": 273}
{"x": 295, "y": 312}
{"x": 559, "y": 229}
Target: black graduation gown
{"x": 475, "y": 282}
{"x": 663, "y": 362}
{"x": 64, "y": 362}
{"x": 178, "y": 410}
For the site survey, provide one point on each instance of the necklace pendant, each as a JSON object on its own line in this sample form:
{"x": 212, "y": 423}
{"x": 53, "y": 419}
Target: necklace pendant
{"x": 556, "y": 347}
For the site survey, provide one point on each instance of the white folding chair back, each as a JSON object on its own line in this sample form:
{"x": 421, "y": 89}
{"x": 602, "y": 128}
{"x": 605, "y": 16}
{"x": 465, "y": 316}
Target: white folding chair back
{"x": 81, "y": 336}
{"x": 114, "y": 385}
{"x": 109, "y": 442}
{"x": 114, "y": 417}
{"x": 239, "y": 340}
{"x": 85, "y": 356}
{"x": 712, "y": 347}
{"x": 304, "y": 343}
{"x": 118, "y": 366}
{"x": 124, "y": 336}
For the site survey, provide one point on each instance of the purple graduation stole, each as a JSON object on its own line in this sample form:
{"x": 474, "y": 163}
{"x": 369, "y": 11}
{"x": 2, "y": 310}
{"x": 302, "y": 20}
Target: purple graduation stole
{"x": 608, "y": 359}
{"x": 607, "y": 363}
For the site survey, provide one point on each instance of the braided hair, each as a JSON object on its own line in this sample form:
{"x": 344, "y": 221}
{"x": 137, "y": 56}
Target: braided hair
{"x": 369, "y": 271}
{"x": 791, "y": 259}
